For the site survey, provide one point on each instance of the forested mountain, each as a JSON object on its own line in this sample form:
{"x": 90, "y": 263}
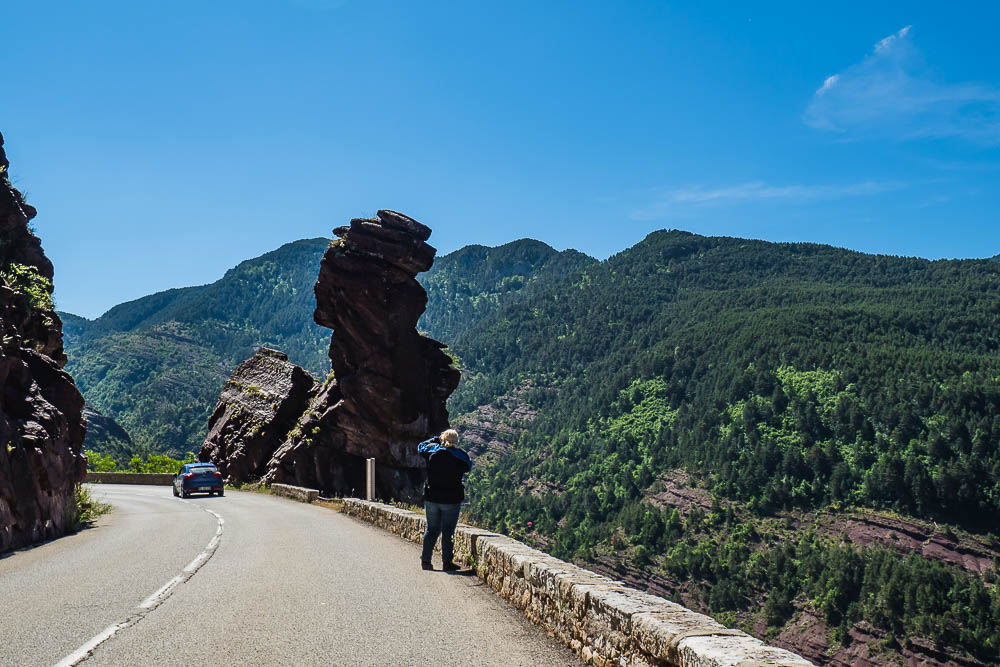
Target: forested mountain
{"x": 259, "y": 299}
{"x": 867, "y": 365}
{"x": 762, "y": 380}
{"x": 467, "y": 286}
{"x": 156, "y": 364}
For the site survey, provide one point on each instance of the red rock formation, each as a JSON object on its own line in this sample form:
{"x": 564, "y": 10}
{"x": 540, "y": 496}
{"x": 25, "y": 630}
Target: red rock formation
{"x": 259, "y": 405}
{"x": 390, "y": 383}
{"x": 41, "y": 411}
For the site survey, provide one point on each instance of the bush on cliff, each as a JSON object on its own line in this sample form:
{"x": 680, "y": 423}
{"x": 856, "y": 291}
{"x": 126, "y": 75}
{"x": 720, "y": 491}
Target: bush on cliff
{"x": 27, "y": 280}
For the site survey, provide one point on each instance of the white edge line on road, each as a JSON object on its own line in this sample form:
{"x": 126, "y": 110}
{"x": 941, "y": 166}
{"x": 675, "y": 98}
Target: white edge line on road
{"x": 163, "y": 592}
{"x": 150, "y": 603}
{"x": 195, "y": 564}
{"x": 83, "y": 652}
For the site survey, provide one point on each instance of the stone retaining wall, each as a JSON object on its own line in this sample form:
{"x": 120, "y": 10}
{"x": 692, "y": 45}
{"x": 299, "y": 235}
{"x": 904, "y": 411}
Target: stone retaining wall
{"x": 602, "y": 620}
{"x": 159, "y": 479}
{"x": 299, "y": 493}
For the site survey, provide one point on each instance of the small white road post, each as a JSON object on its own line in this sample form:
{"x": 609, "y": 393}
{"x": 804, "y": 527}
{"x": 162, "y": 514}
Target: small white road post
{"x": 370, "y": 479}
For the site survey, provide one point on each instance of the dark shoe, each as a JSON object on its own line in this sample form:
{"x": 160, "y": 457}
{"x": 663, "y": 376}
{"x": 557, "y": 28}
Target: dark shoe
{"x": 426, "y": 565}
{"x": 451, "y": 567}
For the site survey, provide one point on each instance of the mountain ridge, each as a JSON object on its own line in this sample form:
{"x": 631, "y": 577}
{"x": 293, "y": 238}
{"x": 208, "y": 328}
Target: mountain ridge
{"x": 155, "y": 308}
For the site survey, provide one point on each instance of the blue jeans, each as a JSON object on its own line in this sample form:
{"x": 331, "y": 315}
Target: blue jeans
{"x": 442, "y": 518}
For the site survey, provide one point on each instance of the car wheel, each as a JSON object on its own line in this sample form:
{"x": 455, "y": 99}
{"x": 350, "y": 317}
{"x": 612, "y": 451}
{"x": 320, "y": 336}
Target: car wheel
{"x": 185, "y": 494}
{"x": 221, "y": 492}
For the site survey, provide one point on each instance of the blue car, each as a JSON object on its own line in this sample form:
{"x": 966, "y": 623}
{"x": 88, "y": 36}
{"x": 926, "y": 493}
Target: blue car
{"x": 198, "y": 478}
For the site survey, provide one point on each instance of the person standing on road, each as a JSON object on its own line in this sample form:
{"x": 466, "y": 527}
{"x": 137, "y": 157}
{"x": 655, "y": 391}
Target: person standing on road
{"x": 443, "y": 495}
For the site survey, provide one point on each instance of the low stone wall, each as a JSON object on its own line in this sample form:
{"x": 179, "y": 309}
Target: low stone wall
{"x": 602, "y": 620}
{"x": 158, "y": 479}
{"x": 302, "y": 494}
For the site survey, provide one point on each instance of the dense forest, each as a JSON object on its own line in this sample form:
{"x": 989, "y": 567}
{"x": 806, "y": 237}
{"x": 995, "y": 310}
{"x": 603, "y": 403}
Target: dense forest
{"x": 802, "y": 375}
{"x": 469, "y": 285}
{"x": 785, "y": 379}
{"x": 784, "y": 435}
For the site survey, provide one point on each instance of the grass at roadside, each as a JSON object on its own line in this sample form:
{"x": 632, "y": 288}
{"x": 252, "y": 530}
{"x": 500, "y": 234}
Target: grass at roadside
{"x": 256, "y": 487}
{"x": 85, "y": 509}
{"x": 336, "y": 504}
{"x": 419, "y": 509}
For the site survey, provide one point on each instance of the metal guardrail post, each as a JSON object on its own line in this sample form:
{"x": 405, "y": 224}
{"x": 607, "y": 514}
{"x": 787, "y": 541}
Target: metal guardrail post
{"x": 370, "y": 479}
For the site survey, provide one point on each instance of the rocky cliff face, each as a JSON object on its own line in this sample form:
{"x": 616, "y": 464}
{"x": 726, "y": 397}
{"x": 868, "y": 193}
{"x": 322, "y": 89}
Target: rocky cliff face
{"x": 389, "y": 384}
{"x": 41, "y": 411}
{"x": 107, "y": 436}
{"x": 258, "y": 407}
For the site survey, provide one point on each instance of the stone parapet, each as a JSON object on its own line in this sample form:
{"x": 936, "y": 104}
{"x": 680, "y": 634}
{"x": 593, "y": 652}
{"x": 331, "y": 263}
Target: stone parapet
{"x": 302, "y": 494}
{"x": 157, "y": 479}
{"x": 601, "y": 619}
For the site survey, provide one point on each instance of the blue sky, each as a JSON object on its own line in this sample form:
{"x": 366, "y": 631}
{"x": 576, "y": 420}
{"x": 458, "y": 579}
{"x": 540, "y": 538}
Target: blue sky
{"x": 165, "y": 142}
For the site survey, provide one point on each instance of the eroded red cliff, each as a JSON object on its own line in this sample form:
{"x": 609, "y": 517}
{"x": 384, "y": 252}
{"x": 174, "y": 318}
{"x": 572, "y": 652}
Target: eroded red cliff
{"x": 389, "y": 384}
{"x": 258, "y": 407}
{"x": 41, "y": 411}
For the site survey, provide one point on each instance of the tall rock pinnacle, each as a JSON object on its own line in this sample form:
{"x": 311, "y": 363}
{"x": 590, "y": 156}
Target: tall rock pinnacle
{"x": 389, "y": 384}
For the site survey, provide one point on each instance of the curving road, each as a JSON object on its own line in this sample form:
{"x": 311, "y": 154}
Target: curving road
{"x": 248, "y": 578}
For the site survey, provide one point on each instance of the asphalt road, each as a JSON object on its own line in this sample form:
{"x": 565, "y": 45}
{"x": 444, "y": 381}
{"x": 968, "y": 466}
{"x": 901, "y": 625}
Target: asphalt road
{"x": 248, "y": 579}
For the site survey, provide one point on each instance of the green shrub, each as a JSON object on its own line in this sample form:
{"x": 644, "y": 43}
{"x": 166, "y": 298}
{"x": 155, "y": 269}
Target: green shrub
{"x": 28, "y": 281}
{"x": 158, "y": 463}
{"x": 97, "y": 462}
{"x": 152, "y": 463}
{"x": 85, "y": 509}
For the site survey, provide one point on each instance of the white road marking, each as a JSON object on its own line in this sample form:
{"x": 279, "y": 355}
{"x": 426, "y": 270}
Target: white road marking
{"x": 161, "y": 594}
{"x": 150, "y": 603}
{"x": 196, "y": 563}
{"x": 82, "y": 653}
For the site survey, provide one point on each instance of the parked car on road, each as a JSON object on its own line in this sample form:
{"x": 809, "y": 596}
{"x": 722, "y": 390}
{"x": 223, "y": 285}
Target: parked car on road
{"x": 198, "y": 478}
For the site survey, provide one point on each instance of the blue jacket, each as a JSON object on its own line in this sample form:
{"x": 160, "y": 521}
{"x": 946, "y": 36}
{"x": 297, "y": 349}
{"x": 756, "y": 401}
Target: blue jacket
{"x": 445, "y": 468}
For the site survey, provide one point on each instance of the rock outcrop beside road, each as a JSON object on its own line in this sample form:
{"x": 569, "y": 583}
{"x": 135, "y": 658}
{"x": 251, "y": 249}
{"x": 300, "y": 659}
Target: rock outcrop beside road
{"x": 390, "y": 384}
{"x": 42, "y": 428}
{"x": 387, "y": 389}
{"x": 107, "y": 436}
{"x": 259, "y": 405}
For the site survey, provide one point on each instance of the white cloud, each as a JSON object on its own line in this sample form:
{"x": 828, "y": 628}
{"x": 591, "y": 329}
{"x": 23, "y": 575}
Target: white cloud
{"x": 888, "y": 41}
{"x": 684, "y": 199}
{"x": 830, "y": 82}
{"x": 891, "y": 93}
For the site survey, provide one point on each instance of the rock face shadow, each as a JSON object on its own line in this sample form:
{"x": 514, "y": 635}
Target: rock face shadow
{"x": 386, "y": 391}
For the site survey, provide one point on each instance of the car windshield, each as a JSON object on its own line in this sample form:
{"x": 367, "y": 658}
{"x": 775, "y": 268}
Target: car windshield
{"x": 200, "y": 469}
